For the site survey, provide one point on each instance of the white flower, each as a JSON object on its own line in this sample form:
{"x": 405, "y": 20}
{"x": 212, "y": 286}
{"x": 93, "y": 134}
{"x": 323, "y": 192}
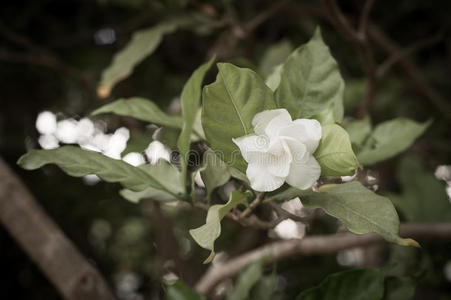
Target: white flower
{"x": 198, "y": 180}
{"x": 86, "y": 130}
{"x": 281, "y": 150}
{"x": 157, "y": 150}
{"x": 134, "y": 158}
{"x": 67, "y": 131}
{"x": 46, "y": 123}
{"x": 48, "y": 141}
{"x": 117, "y": 143}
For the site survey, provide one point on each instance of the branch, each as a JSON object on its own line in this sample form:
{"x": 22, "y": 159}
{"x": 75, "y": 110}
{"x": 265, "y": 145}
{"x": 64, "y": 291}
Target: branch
{"x": 360, "y": 42}
{"x": 416, "y": 78}
{"x": 312, "y": 245}
{"x": 396, "y": 56}
{"x": 72, "y": 275}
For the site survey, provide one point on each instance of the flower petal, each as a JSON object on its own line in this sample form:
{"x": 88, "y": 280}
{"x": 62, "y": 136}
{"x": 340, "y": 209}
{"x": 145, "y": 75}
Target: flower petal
{"x": 251, "y": 144}
{"x": 304, "y": 174}
{"x": 264, "y": 118}
{"x": 307, "y": 131}
{"x": 261, "y": 179}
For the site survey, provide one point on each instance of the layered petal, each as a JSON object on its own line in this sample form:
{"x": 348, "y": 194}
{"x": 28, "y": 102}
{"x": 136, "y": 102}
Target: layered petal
{"x": 276, "y": 118}
{"x": 251, "y": 144}
{"x": 261, "y": 179}
{"x": 304, "y": 174}
{"x": 305, "y": 131}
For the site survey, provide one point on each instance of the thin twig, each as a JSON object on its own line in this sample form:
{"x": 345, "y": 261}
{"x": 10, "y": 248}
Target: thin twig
{"x": 364, "y": 17}
{"x": 313, "y": 245}
{"x": 395, "y": 57}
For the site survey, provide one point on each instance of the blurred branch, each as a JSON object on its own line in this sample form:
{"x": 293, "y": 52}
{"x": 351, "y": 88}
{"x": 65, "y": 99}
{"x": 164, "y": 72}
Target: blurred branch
{"x": 395, "y": 57}
{"x": 416, "y": 78}
{"x": 166, "y": 242}
{"x": 73, "y": 276}
{"x": 358, "y": 38}
{"x": 40, "y": 56}
{"x": 312, "y": 245}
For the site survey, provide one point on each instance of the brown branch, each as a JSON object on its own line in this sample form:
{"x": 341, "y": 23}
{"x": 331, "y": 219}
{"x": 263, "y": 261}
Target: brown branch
{"x": 395, "y": 57}
{"x": 73, "y": 276}
{"x": 416, "y": 78}
{"x": 360, "y": 42}
{"x": 313, "y": 245}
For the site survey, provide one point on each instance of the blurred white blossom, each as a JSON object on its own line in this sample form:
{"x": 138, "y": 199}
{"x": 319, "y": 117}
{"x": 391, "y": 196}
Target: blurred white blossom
{"x": 155, "y": 151}
{"x": 198, "y": 180}
{"x": 134, "y": 158}
{"x": 67, "y": 131}
{"x": 46, "y": 123}
{"x": 48, "y": 141}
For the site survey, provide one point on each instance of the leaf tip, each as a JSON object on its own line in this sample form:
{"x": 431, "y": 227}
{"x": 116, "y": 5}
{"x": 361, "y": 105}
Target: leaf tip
{"x": 103, "y": 91}
{"x": 209, "y": 258}
{"x": 410, "y": 242}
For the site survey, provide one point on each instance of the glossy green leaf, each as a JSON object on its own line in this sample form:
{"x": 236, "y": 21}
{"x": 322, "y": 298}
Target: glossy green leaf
{"x": 229, "y": 105}
{"x": 141, "y": 109}
{"x": 247, "y": 279}
{"x": 364, "y": 284}
{"x": 359, "y": 209}
{"x": 311, "y": 80}
{"x": 215, "y": 172}
{"x": 206, "y": 235}
{"x": 273, "y": 79}
{"x": 142, "y": 44}
{"x": 179, "y": 291}
{"x": 167, "y": 175}
{"x": 334, "y": 153}
{"x": 78, "y": 162}
{"x": 190, "y": 99}
{"x": 389, "y": 139}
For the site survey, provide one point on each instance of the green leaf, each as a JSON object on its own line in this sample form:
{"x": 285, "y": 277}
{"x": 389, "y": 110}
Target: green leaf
{"x": 179, "y": 291}
{"x": 141, "y": 109}
{"x": 206, "y": 235}
{"x": 364, "y": 284}
{"x": 275, "y": 55}
{"x": 334, "y": 153}
{"x": 311, "y": 80}
{"x": 215, "y": 172}
{"x": 190, "y": 99}
{"x": 142, "y": 44}
{"x": 247, "y": 279}
{"x": 359, "y": 209}
{"x": 358, "y": 131}
{"x": 399, "y": 288}
{"x": 167, "y": 175}
{"x": 390, "y": 138}
{"x": 423, "y": 197}
{"x": 273, "y": 79}
{"x": 78, "y": 162}
{"x": 265, "y": 288}
{"x": 229, "y": 105}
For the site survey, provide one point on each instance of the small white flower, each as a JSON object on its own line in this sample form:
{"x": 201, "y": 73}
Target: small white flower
{"x": 46, "y": 123}
{"x": 117, "y": 143}
{"x": 86, "y": 130}
{"x": 198, "y": 180}
{"x": 48, "y": 141}
{"x": 157, "y": 150}
{"x": 134, "y": 158}
{"x": 281, "y": 150}
{"x": 67, "y": 131}
{"x": 289, "y": 229}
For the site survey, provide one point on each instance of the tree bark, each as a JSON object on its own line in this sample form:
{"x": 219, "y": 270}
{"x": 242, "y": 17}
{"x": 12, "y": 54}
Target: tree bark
{"x": 73, "y": 276}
